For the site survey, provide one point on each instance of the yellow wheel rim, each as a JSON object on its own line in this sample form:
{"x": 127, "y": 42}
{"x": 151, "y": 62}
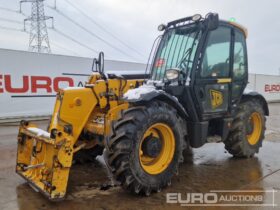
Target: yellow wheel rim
{"x": 156, "y": 165}
{"x": 255, "y": 135}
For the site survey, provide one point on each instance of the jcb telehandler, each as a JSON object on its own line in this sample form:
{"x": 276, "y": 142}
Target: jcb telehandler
{"x": 195, "y": 90}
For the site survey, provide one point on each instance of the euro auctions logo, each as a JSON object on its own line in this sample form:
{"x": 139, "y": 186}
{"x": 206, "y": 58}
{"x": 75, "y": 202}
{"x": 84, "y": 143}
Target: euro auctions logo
{"x": 192, "y": 198}
{"x": 224, "y": 198}
{"x": 273, "y": 88}
{"x": 32, "y": 86}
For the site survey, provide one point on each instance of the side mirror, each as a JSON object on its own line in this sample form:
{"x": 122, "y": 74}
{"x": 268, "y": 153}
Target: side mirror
{"x": 212, "y": 21}
{"x": 98, "y": 64}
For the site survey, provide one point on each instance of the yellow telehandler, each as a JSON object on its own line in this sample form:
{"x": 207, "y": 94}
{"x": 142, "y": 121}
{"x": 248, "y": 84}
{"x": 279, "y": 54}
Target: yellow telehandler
{"x": 195, "y": 90}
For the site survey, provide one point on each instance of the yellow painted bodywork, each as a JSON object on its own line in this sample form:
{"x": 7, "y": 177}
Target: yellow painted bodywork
{"x": 45, "y": 162}
{"x": 224, "y": 80}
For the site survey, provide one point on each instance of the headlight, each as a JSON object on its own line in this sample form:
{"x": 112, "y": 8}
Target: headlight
{"x": 172, "y": 74}
{"x": 196, "y": 17}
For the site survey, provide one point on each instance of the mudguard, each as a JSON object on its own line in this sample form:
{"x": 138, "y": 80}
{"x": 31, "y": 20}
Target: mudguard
{"x": 144, "y": 94}
{"x": 249, "y": 94}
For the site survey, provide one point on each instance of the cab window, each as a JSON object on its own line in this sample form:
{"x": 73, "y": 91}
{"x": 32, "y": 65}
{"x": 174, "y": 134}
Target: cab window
{"x": 239, "y": 61}
{"x": 176, "y": 50}
{"x": 215, "y": 62}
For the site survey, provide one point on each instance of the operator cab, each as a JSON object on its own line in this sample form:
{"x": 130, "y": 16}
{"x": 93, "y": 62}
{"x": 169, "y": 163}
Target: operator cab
{"x": 203, "y": 62}
{"x": 208, "y": 57}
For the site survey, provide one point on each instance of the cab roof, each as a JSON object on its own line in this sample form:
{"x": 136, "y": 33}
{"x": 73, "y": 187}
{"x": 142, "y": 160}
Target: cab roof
{"x": 239, "y": 26}
{"x": 188, "y": 20}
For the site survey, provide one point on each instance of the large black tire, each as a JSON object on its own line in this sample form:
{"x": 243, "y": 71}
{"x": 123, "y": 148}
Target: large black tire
{"x": 123, "y": 146}
{"x": 237, "y": 142}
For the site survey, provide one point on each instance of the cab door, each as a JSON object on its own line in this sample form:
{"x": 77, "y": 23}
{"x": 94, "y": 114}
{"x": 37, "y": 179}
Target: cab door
{"x": 212, "y": 82}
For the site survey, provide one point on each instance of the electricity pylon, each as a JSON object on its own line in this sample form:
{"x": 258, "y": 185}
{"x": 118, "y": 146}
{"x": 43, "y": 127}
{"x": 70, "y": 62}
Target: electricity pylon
{"x": 38, "y": 38}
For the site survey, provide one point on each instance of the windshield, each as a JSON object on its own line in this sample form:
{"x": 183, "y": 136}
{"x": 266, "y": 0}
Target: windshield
{"x": 176, "y": 50}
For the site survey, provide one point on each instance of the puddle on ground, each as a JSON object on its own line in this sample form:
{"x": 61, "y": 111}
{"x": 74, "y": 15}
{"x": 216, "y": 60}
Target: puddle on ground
{"x": 207, "y": 168}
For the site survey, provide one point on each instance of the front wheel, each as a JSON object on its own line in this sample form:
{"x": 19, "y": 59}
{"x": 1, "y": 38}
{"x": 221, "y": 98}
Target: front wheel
{"x": 146, "y": 147}
{"x": 247, "y": 131}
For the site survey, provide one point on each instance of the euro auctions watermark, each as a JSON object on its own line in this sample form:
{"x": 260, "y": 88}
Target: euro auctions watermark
{"x": 261, "y": 198}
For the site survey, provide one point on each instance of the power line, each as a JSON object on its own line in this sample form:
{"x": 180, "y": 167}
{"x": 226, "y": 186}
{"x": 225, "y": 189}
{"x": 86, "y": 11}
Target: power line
{"x": 11, "y": 10}
{"x": 55, "y": 30}
{"x": 10, "y": 28}
{"x": 74, "y": 40}
{"x": 91, "y": 33}
{"x": 64, "y": 48}
{"x": 103, "y": 28}
{"x": 11, "y": 21}
{"x": 58, "y": 45}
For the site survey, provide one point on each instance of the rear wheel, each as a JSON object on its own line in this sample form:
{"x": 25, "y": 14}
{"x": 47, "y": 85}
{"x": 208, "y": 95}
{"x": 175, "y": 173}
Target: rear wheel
{"x": 247, "y": 131}
{"x": 146, "y": 147}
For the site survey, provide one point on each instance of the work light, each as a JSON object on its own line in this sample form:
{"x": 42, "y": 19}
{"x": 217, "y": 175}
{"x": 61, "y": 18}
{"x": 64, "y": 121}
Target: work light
{"x": 172, "y": 74}
{"x": 196, "y": 17}
{"x": 161, "y": 27}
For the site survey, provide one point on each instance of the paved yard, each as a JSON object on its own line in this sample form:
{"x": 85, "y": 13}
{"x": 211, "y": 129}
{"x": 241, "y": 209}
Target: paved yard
{"x": 208, "y": 168}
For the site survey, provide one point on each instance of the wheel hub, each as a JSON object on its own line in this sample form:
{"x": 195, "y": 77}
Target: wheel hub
{"x": 250, "y": 126}
{"x": 151, "y": 146}
{"x": 157, "y": 148}
{"x": 254, "y": 128}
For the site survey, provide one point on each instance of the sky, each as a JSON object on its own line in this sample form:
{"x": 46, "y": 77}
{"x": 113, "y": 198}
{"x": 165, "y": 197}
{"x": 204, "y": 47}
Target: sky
{"x": 129, "y": 27}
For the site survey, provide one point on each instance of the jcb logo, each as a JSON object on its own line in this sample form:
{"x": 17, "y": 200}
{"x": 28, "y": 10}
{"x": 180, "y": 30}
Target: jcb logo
{"x": 216, "y": 98}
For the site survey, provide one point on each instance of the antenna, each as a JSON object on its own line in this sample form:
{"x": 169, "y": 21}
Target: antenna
{"x": 38, "y": 38}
